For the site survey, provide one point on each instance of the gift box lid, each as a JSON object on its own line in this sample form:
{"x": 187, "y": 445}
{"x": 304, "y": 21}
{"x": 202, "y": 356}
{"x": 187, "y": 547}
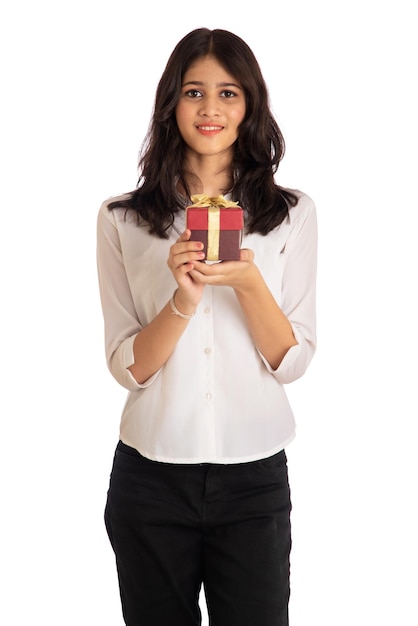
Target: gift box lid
{"x": 230, "y": 218}
{"x": 207, "y": 211}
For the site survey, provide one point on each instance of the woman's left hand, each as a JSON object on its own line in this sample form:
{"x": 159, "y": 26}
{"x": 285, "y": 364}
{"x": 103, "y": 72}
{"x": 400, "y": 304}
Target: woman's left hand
{"x": 235, "y": 274}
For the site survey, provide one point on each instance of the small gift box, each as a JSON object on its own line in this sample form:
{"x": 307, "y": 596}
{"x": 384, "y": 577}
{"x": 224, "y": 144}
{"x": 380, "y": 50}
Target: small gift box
{"x": 218, "y": 223}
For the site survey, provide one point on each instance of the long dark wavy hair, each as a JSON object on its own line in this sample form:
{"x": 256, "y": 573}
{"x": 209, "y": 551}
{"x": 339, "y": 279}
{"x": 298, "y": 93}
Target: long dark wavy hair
{"x": 258, "y": 149}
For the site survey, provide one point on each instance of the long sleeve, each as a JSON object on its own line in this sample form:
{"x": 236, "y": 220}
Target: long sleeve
{"x": 120, "y": 315}
{"x": 298, "y": 299}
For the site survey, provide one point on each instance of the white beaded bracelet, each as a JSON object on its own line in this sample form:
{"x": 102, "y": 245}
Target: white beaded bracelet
{"x": 175, "y": 310}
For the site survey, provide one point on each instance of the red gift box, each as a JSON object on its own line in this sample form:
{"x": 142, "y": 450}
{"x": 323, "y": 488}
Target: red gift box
{"x": 218, "y": 223}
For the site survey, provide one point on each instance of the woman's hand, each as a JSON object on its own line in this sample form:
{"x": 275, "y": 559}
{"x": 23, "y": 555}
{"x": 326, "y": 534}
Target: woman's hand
{"x": 236, "y": 274}
{"x": 182, "y": 259}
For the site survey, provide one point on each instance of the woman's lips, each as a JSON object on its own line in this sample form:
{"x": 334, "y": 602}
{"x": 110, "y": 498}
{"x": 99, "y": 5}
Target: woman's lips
{"x": 209, "y": 129}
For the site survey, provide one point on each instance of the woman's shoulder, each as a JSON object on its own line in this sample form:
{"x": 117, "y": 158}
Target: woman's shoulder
{"x": 115, "y": 206}
{"x": 120, "y": 200}
{"x": 304, "y": 206}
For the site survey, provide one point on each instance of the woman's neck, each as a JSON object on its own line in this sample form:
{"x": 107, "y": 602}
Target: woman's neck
{"x": 207, "y": 176}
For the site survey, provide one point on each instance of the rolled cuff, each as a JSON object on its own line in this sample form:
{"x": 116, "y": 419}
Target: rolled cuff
{"x": 122, "y": 358}
{"x": 295, "y": 361}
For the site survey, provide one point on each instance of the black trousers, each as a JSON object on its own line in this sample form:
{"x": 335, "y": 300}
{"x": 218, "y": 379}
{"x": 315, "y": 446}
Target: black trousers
{"x": 175, "y": 527}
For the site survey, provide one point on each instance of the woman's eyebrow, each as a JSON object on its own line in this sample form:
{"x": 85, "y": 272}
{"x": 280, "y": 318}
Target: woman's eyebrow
{"x": 201, "y": 83}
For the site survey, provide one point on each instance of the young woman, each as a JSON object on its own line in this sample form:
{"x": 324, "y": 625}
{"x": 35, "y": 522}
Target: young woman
{"x": 199, "y": 492}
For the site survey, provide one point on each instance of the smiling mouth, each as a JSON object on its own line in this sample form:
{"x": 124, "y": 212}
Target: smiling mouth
{"x": 209, "y": 129}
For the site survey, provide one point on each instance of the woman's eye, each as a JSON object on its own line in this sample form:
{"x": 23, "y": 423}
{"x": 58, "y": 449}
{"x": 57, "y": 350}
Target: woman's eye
{"x": 193, "y": 93}
{"x": 227, "y": 94}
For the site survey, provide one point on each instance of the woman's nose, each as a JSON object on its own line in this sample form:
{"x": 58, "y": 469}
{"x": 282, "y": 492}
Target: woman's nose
{"x": 209, "y": 106}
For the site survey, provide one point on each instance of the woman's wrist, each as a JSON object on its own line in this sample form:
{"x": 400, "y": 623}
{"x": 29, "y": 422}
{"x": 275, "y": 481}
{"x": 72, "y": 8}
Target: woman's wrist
{"x": 176, "y": 311}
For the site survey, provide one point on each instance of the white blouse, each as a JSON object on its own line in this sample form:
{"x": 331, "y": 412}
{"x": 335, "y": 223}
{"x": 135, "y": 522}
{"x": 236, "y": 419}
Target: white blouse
{"x": 216, "y": 400}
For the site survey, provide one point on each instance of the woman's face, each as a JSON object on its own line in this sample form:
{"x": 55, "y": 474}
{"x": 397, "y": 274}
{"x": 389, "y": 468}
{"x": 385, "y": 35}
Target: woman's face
{"x": 210, "y": 109}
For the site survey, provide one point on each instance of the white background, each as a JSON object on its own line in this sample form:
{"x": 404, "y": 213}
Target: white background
{"x": 78, "y": 81}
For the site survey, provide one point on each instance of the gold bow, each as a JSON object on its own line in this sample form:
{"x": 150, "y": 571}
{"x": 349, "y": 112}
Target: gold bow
{"x": 202, "y": 200}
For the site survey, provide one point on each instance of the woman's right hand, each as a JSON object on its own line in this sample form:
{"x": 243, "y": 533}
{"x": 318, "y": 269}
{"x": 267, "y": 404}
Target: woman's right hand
{"x": 181, "y": 260}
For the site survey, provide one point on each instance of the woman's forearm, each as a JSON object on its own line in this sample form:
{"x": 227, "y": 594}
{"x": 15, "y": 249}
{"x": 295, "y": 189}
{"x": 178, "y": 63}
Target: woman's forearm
{"x": 269, "y": 327}
{"x": 155, "y": 343}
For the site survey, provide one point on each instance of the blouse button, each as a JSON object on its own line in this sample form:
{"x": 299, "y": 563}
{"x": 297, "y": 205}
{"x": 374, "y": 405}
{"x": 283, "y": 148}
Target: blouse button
{"x": 207, "y": 350}
{"x": 206, "y": 310}
{"x": 208, "y": 396}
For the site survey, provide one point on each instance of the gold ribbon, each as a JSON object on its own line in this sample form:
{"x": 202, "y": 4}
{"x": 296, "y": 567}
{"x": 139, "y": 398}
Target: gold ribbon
{"x": 214, "y": 231}
{"x": 214, "y": 204}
